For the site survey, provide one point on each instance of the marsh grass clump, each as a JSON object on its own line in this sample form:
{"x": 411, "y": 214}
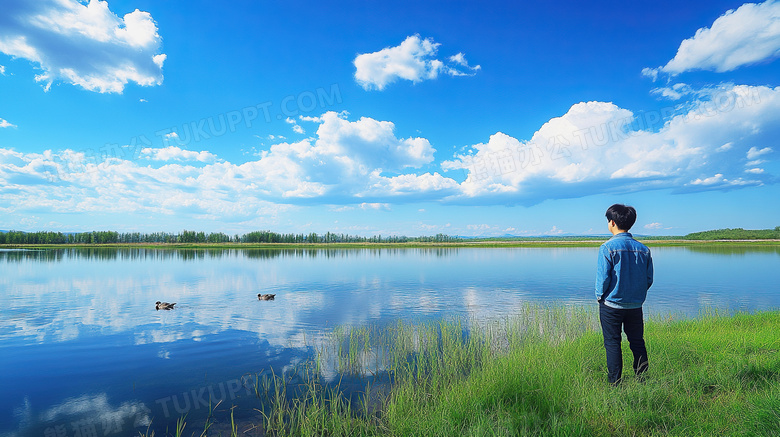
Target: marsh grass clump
{"x": 399, "y": 363}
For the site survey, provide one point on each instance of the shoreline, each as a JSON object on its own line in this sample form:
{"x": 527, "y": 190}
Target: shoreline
{"x": 410, "y": 245}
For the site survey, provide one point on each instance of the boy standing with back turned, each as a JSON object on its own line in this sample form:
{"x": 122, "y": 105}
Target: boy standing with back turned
{"x": 625, "y": 272}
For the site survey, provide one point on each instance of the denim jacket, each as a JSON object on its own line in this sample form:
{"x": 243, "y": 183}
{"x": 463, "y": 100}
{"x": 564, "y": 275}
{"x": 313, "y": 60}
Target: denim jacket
{"x": 625, "y": 272}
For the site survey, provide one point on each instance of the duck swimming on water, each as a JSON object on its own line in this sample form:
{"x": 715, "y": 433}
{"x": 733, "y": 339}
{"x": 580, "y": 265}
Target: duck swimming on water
{"x": 266, "y": 296}
{"x": 163, "y": 305}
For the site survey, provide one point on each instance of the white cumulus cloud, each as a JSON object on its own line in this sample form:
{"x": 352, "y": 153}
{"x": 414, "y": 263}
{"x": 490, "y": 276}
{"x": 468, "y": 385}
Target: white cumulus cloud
{"x": 598, "y": 147}
{"x": 414, "y": 60}
{"x": 359, "y": 162}
{"x": 375, "y": 206}
{"x": 755, "y": 152}
{"x": 173, "y": 153}
{"x": 5, "y": 123}
{"x": 725, "y": 147}
{"x": 744, "y": 36}
{"x": 83, "y": 44}
{"x": 460, "y": 59}
{"x": 674, "y": 92}
{"x": 369, "y": 143}
{"x": 717, "y": 179}
{"x": 295, "y": 126}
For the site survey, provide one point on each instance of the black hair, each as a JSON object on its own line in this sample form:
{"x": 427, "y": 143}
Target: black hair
{"x": 623, "y": 215}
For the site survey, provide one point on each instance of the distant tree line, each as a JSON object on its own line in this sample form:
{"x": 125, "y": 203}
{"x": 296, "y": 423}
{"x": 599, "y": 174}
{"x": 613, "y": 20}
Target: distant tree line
{"x": 736, "y": 234}
{"x": 109, "y": 237}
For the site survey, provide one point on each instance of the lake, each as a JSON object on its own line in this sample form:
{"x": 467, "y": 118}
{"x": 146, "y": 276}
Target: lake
{"x": 85, "y": 353}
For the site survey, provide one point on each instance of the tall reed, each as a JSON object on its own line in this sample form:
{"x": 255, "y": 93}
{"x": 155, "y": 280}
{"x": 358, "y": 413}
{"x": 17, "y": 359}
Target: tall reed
{"x": 409, "y": 361}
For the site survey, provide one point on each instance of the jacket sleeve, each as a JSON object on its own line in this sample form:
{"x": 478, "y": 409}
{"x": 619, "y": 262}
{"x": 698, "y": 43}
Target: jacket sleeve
{"x": 649, "y": 270}
{"x": 602, "y": 272}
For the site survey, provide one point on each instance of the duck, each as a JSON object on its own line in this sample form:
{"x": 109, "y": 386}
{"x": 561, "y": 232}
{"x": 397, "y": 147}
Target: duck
{"x": 163, "y": 305}
{"x": 266, "y": 296}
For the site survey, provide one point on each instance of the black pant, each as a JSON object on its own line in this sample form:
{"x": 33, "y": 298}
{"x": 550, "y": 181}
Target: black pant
{"x": 612, "y": 319}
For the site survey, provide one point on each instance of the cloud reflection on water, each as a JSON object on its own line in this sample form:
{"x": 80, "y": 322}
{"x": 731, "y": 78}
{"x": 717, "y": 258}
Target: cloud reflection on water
{"x": 58, "y": 295}
{"x": 89, "y": 414}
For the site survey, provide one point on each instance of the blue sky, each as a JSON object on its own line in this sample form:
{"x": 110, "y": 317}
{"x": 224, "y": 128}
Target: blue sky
{"x": 410, "y": 118}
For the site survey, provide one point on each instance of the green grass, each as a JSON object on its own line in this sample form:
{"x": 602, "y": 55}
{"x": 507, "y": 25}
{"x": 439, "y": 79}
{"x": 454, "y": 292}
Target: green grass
{"x": 713, "y": 376}
{"x": 541, "y": 373}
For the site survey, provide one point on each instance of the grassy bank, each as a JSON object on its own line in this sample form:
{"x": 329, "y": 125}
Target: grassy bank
{"x": 541, "y": 373}
{"x": 715, "y": 376}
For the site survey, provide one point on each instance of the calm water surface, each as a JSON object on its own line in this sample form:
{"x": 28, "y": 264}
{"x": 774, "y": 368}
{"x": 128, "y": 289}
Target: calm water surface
{"x": 83, "y": 351}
